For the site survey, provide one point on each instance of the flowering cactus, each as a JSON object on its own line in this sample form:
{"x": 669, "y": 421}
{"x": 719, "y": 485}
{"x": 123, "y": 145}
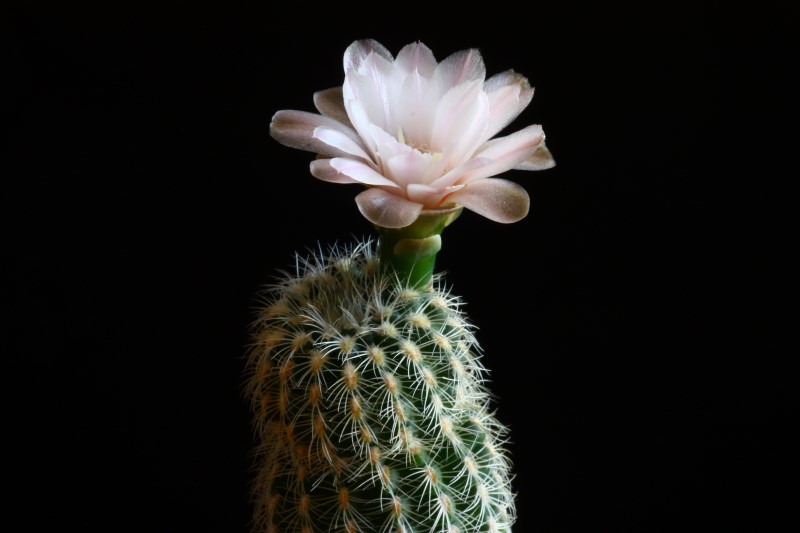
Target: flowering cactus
{"x": 370, "y": 402}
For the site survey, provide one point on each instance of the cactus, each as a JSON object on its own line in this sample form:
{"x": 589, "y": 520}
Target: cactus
{"x": 371, "y": 406}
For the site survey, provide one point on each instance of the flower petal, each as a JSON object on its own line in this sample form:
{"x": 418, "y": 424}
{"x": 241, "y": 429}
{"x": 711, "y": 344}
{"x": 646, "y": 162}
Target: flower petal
{"x": 509, "y": 94}
{"x": 540, "y": 159}
{"x": 460, "y": 67}
{"x": 360, "y": 172}
{"x": 295, "y": 129}
{"x": 386, "y": 209}
{"x": 428, "y": 196}
{"x": 338, "y": 140}
{"x": 506, "y": 152}
{"x": 358, "y": 51}
{"x": 322, "y": 170}
{"x": 462, "y": 117}
{"x": 497, "y": 199}
{"x": 330, "y": 103}
{"x": 416, "y": 57}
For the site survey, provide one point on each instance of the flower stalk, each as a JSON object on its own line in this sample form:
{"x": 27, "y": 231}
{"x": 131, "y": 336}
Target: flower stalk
{"x": 411, "y": 251}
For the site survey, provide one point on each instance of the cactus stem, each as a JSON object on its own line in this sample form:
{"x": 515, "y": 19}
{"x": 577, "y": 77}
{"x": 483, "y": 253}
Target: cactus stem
{"x": 411, "y": 251}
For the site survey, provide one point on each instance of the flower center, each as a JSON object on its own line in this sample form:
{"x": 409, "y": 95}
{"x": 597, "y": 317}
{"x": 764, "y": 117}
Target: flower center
{"x": 420, "y": 147}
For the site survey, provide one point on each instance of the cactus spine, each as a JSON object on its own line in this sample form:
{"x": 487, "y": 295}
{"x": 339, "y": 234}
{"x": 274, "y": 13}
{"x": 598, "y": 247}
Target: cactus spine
{"x": 370, "y": 401}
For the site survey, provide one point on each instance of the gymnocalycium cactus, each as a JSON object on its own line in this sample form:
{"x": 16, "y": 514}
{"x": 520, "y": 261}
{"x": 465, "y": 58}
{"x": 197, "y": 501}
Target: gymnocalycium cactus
{"x": 370, "y": 402}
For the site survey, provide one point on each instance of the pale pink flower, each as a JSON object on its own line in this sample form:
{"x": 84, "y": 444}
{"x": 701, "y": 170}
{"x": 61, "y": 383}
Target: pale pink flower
{"x": 419, "y": 134}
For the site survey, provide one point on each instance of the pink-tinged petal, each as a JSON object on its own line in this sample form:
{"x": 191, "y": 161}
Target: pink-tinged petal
{"x": 361, "y": 172}
{"x": 540, "y": 159}
{"x": 428, "y": 196}
{"x": 461, "y": 67}
{"x": 330, "y": 103}
{"x": 497, "y": 199}
{"x": 509, "y": 94}
{"x": 416, "y": 57}
{"x": 358, "y": 51}
{"x": 462, "y": 117}
{"x": 386, "y": 209}
{"x": 338, "y": 140}
{"x": 295, "y": 129}
{"x": 413, "y": 166}
{"x": 415, "y": 110}
{"x": 322, "y": 170}
{"x": 372, "y": 85}
{"x": 506, "y": 152}
{"x": 455, "y": 174}
{"x": 361, "y": 122}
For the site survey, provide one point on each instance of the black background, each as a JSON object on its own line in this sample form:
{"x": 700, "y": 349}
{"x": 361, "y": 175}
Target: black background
{"x": 631, "y": 322}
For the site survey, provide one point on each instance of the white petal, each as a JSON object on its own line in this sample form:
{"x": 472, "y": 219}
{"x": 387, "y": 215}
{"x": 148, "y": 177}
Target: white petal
{"x": 506, "y": 152}
{"x": 372, "y": 85}
{"x": 455, "y": 174}
{"x": 360, "y": 172}
{"x": 338, "y": 140}
{"x": 413, "y": 166}
{"x": 322, "y": 170}
{"x": 295, "y": 129}
{"x": 387, "y": 209}
{"x": 428, "y": 196}
{"x": 359, "y": 50}
{"x": 509, "y": 94}
{"x": 540, "y": 159}
{"x": 462, "y": 119}
{"x": 416, "y": 57}
{"x": 330, "y": 103}
{"x": 496, "y": 199}
{"x": 415, "y": 109}
{"x": 460, "y": 67}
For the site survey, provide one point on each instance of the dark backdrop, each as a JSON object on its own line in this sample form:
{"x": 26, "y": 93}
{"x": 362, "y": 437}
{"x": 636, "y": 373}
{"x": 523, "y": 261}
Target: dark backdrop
{"x": 630, "y": 322}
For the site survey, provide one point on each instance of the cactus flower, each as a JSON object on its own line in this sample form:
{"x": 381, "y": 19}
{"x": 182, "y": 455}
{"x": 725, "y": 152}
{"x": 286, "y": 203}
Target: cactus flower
{"x": 420, "y": 134}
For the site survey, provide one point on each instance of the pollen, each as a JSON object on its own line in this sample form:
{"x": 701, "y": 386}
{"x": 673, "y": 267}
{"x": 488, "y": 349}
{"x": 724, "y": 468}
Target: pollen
{"x": 349, "y": 376}
{"x": 411, "y": 351}
{"x": 419, "y": 320}
{"x": 377, "y": 355}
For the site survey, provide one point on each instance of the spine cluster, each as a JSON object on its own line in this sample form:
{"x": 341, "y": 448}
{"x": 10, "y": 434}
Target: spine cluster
{"x": 371, "y": 407}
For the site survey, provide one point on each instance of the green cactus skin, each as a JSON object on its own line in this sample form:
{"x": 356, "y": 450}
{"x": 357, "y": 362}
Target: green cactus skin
{"x": 370, "y": 406}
